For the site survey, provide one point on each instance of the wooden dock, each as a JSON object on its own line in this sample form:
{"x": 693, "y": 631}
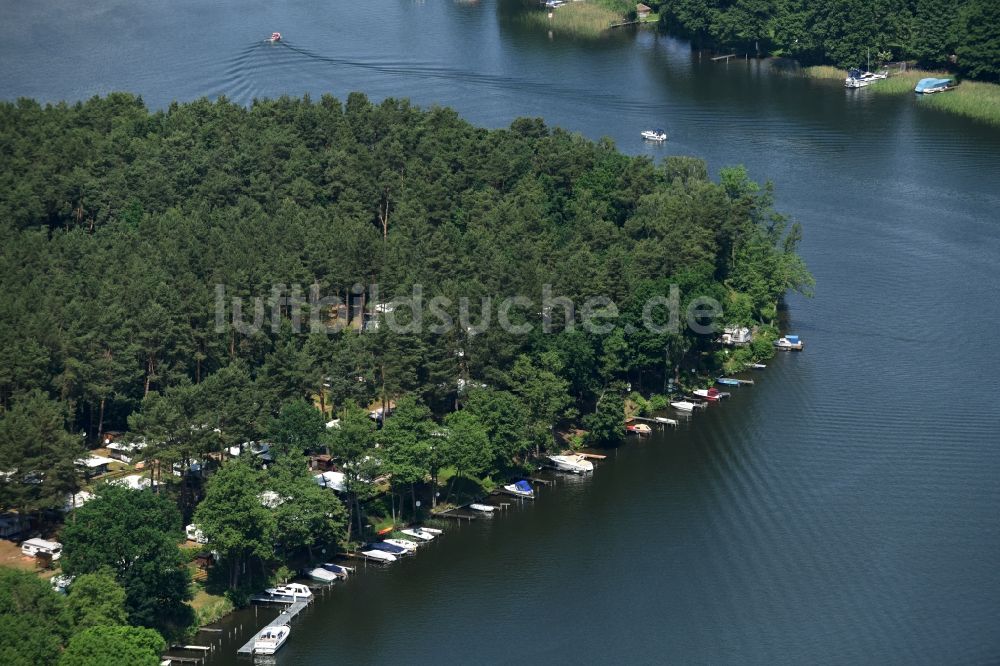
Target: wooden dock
{"x": 450, "y": 513}
{"x": 285, "y": 617}
{"x": 724, "y": 57}
{"x": 661, "y": 421}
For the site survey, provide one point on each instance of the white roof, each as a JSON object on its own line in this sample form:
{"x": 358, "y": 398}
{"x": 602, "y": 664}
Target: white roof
{"x": 42, "y": 543}
{"x": 124, "y": 446}
{"x": 95, "y": 461}
{"x": 77, "y": 500}
{"x": 134, "y": 481}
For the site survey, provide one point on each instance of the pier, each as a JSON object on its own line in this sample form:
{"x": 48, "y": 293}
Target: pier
{"x": 659, "y": 420}
{"x": 285, "y": 617}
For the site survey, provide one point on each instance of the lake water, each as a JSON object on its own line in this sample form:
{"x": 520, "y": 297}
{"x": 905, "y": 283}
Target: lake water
{"x": 843, "y": 510}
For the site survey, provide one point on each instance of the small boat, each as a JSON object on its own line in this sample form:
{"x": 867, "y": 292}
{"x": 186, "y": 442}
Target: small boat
{"x": 521, "y": 489}
{"x": 429, "y": 530}
{"x": 573, "y": 463}
{"x": 640, "y": 429}
{"x": 387, "y": 547}
{"x": 711, "y": 394}
{"x": 931, "y": 85}
{"x": 789, "y": 343}
{"x": 757, "y": 366}
{"x": 338, "y": 570}
{"x": 271, "y": 639}
{"x": 859, "y": 79}
{"x": 654, "y": 135}
{"x": 727, "y": 381}
{"x": 289, "y": 592}
{"x": 411, "y": 546}
{"x": 379, "y": 555}
{"x": 422, "y": 533}
{"x": 666, "y": 421}
{"x": 687, "y": 405}
{"x": 482, "y": 508}
{"x": 321, "y": 575}
{"x": 275, "y": 37}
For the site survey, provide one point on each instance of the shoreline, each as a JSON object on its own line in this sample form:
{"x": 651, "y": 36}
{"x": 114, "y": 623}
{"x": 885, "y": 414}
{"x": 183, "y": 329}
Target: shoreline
{"x": 975, "y": 100}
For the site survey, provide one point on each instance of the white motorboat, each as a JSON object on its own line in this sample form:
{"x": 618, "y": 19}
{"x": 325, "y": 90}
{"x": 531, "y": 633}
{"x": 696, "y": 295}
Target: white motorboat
{"x": 482, "y": 508}
{"x": 321, "y": 575}
{"x": 521, "y": 489}
{"x": 429, "y": 530}
{"x": 404, "y": 543}
{"x": 422, "y": 533}
{"x": 789, "y": 343}
{"x": 379, "y": 555}
{"x": 338, "y": 570}
{"x": 654, "y": 135}
{"x": 573, "y": 463}
{"x": 686, "y": 405}
{"x": 758, "y": 366}
{"x": 271, "y": 639}
{"x": 665, "y": 421}
{"x": 859, "y": 79}
{"x": 290, "y": 592}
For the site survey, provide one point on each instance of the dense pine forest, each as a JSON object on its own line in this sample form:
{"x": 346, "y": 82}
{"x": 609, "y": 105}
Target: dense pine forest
{"x": 961, "y": 35}
{"x": 125, "y": 231}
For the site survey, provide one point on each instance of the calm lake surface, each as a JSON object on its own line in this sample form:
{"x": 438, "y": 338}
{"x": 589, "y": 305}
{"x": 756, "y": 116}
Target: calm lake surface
{"x": 843, "y": 510}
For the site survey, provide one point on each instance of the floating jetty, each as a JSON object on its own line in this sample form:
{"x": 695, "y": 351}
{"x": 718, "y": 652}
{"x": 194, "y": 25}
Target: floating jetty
{"x": 285, "y": 617}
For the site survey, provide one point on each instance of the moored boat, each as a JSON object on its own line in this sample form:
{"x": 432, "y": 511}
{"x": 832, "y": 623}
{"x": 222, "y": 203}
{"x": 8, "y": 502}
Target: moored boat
{"x": 422, "y": 533}
{"x": 379, "y": 555}
{"x": 712, "y": 394}
{"x": 687, "y": 405}
{"x": 411, "y": 546}
{"x": 789, "y": 343}
{"x": 430, "y": 530}
{"x": 857, "y": 78}
{"x": 654, "y": 135}
{"x": 640, "y": 429}
{"x": 727, "y": 381}
{"x": 482, "y": 508}
{"x": 321, "y": 575}
{"x": 290, "y": 592}
{"x": 271, "y": 639}
{"x": 757, "y": 366}
{"x": 390, "y": 548}
{"x": 522, "y": 489}
{"x": 665, "y": 421}
{"x": 573, "y": 463}
{"x": 932, "y": 85}
{"x": 338, "y": 570}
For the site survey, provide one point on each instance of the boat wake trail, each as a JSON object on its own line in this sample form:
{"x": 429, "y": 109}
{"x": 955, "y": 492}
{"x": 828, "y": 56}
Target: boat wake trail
{"x": 481, "y": 80}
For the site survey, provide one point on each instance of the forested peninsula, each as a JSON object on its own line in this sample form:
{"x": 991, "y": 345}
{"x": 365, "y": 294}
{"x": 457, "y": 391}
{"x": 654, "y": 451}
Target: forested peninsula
{"x": 130, "y": 237}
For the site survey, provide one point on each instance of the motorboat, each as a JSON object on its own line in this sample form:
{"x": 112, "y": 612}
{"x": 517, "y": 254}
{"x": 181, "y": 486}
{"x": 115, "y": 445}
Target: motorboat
{"x": 392, "y": 549}
{"x": 321, "y": 575}
{"x": 482, "y": 508}
{"x": 857, "y": 78}
{"x": 379, "y": 555}
{"x": 290, "y": 592}
{"x": 757, "y": 366}
{"x": 428, "y": 530}
{"x": 687, "y": 405}
{"x": 338, "y": 570}
{"x": 573, "y": 463}
{"x": 422, "y": 533}
{"x": 271, "y": 639}
{"x": 275, "y": 37}
{"x": 640, "y": 429}
{"x": 654, "y": 135}
{"x": 665, "y": 421}
{"x": 727, "y": 381}
{"x": 789, "y": 343}
{"x": 932, "y": 85}
{"x": 711, "y": 394}
{"x": 411, "y": 546}
{"x": 522, "y": 489}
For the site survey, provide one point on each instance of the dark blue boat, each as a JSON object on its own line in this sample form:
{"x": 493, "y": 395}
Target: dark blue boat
{"x": 389, "y": 548}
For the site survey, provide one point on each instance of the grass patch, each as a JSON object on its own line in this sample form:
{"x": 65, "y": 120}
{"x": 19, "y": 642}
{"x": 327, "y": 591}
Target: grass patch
{"x": 209, "y": 608}
{"x": 824, "y": 72}
{"x": 581, "y": 19}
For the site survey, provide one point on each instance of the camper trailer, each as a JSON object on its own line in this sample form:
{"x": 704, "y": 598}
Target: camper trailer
{"x": 35, "y": 547}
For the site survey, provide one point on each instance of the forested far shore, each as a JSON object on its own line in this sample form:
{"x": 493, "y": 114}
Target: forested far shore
{"x": 119, "y": 226}
{"x": 962, "y": 36}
